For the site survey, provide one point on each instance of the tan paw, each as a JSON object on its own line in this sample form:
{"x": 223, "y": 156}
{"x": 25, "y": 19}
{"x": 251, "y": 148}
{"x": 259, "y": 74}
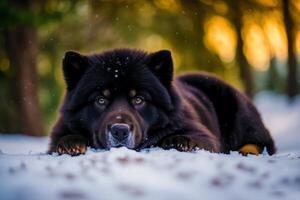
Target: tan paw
{"x": 71, "y": 144}
{"x": 250, "y": 149}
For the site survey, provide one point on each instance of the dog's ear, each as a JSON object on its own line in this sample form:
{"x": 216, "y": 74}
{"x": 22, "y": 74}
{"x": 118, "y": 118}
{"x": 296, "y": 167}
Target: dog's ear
{"x": 74, "y": 65}
{"x": 161, "y": 64}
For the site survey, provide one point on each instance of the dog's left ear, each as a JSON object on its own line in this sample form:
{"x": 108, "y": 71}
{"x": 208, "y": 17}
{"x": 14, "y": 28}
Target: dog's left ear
{"x": 161, "y": 64}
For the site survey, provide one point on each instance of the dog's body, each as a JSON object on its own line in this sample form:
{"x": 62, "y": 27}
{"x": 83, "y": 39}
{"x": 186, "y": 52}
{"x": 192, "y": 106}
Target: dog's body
{"x": 127, "y": 98}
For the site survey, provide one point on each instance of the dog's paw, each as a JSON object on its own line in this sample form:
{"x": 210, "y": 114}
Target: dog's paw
{"x": 71, "y": 144}
{"x": 179, "y": 142}
{"x": 250, "y": 149}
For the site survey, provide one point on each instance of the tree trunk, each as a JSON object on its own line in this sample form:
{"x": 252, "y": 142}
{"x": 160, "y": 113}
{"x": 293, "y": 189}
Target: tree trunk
{"x": 22, "y": 48}
{"x": 272, "y": 76}
{"x": 244, "y": 66}
{"x": 292, "y": 84}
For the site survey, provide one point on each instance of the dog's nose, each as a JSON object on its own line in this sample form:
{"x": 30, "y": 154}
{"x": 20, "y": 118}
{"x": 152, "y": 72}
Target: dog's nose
{"x": 120, "y": 131}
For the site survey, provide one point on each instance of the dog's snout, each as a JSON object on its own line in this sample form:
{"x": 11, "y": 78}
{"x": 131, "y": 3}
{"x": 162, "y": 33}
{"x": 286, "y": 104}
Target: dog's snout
{"x": 120, "y": 131}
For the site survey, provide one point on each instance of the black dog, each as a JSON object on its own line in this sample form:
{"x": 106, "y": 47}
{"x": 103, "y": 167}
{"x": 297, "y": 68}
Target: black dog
{"x": 127, "y": 98}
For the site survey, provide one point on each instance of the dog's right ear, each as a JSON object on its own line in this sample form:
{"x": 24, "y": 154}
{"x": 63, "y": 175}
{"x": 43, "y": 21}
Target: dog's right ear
{"x": 74, "y": 65}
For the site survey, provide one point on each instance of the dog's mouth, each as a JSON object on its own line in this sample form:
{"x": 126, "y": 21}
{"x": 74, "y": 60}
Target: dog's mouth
{"x": 120, "y": 135}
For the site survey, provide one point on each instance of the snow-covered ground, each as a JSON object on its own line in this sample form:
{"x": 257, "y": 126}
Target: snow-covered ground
{"x": 26, "y": 172}
{"x": 282, "y": 118}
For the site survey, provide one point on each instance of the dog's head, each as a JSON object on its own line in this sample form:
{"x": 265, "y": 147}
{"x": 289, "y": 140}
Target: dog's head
{"x": 117, "y": 97}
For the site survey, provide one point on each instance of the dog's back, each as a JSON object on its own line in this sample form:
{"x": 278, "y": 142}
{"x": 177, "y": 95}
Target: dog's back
{"x": 237, "y": 118}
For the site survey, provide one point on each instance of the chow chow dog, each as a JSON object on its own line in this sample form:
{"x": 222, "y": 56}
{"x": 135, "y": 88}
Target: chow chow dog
{"x": 130, "y": 98}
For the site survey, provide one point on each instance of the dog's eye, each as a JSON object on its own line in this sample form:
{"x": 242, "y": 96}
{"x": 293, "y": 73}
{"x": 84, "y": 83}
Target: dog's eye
{"x": 101, "y": 100}
{"x": 138, "y": 100}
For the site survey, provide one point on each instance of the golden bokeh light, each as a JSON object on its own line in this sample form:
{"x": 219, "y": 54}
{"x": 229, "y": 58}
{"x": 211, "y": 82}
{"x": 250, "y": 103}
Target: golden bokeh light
{"x": 270, "y": 3}
{"x": 170, "y": 5}
{"x": 297, "y": 44}
{"x": 276, "y": 36}
{"x": 256, "y": 47}
{"x": 220, "y": 38}
{"x": 220, "y": 7}
{"x": 296, "y": 5}
{"x": 4, "y": 64}
{"x": 155, "y": 42}
{"x": 43, "y": 67}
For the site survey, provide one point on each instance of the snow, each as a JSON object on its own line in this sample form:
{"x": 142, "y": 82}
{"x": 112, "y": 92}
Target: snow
{"x": 282, "y": 118}
{"x": 26, "y": 172}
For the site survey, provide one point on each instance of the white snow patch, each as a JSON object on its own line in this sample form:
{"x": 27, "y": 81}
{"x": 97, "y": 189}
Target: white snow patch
{"x": 20, "y": 144}
{"x": 282, "y": 118}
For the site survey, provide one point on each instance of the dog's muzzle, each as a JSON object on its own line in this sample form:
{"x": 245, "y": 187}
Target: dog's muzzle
{"x": 120, "y": 134}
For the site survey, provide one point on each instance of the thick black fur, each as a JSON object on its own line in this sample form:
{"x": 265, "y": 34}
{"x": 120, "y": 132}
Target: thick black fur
{"x": 193, "y": 110}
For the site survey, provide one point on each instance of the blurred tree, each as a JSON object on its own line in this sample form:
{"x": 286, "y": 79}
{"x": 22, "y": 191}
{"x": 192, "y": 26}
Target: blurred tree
{"x": 272, "y": 76}
{"x": 292, "y": 76}
{"x": 22, "y": 48}
{"x": 19, "y": 30}
{"x": 244, "y": 66}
